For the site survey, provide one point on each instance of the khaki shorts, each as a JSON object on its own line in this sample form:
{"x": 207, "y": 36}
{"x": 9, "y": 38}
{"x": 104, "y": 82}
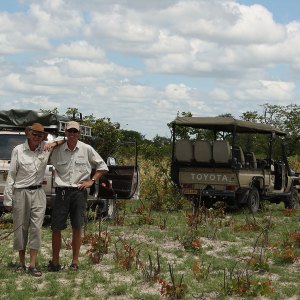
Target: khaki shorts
{"x": 69, "y": 202}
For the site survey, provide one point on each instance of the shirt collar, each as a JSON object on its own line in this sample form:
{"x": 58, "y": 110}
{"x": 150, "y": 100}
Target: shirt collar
{"x": 38, "y": 149}
{"x": 66, "y": 148}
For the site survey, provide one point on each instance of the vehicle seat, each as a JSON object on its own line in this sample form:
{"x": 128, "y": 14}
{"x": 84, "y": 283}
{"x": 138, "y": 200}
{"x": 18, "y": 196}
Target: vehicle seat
{"x": 221, "y": 152}
{"x": 202, "y": 151}
{"x": 184, "y": 151}
{"x": 250, "y": 160}
{"x": 239, "y": 155}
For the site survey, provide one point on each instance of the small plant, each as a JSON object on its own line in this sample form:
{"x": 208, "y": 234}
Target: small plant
{"x": 159, "y": 190}
{"x": 162, "y": 223}
{"x": 289, "y": 212}
{"x": 151, "y": 272}
{"x": 68, "y": 243}
{"x": 127, "y": 256}
{"x": 240, "y": 283}
{"x": 99, "y": 244}
{"x": 259, "y": 263}
{"x": 172, "y": 290}
{"x": 119, "y": 219}
{"x": 140, "y": 209}
{"x": 191, "y": 241}
{"x": 295, "y": 236}
{"x": 250, "y": 225}
{"x": 285, "y": 254}
{"x": 200, "y": 270}
{"x": 146, "y": 219}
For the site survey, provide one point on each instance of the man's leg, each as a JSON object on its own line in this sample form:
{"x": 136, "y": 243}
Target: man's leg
{"x": 33, "y": 255}
{"x": 76, "y": 244}
{"x": 22, "y": 257}
{"x": 56, "y": 246}
{"x": 32, "y": 267}
{"x": 59, "y": 221}
{"x": 77, "y": 215}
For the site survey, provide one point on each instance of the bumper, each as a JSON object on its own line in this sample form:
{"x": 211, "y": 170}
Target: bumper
{"x": 221, "y": 195}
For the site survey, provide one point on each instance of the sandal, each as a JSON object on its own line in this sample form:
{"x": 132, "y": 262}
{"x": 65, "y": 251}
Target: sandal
{"x": 73, "y": 267}
{"x": 53, "y": 268}
{"x": 20, "y": 269}
{"x": 34, "y": 272}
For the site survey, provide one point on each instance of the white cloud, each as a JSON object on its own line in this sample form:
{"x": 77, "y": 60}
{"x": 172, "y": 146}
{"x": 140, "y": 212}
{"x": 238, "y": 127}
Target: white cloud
{"x": 80, "y": 49}
{"x": 140, "y": 62}
{"x": 178, "y": 92}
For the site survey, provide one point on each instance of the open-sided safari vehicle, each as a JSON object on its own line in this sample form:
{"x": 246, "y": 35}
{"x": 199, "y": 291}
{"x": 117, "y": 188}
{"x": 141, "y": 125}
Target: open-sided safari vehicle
{"x": 238, "y": 162}
{"x": 121, "y": 182}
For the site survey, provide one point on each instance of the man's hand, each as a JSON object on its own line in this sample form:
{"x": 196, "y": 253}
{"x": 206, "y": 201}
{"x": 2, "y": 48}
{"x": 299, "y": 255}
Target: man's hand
{"x": 49, "y": 146}
{"x": 85, "y": 184}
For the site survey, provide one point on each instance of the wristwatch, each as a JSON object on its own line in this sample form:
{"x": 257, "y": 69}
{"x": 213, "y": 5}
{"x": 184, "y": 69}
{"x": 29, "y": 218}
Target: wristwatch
{"x": 93, "y": 179}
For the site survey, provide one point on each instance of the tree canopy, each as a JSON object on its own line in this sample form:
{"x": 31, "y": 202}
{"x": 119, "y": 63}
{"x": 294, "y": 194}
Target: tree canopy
{"x": 108, "y": 134}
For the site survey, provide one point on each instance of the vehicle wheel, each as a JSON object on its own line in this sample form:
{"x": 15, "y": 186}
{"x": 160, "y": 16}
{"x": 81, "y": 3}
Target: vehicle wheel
{"x": 253, "y": 200}
{"x": 111, "y": 208}
{"x": 292, "y": 200}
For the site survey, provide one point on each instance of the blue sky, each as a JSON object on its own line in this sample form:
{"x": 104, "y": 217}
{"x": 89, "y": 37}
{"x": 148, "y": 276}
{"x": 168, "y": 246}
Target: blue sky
{"x": 140, "y": 62}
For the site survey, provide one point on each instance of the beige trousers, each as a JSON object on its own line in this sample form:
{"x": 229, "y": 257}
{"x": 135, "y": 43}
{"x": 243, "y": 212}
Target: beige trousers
{"x": 28, "y": 215}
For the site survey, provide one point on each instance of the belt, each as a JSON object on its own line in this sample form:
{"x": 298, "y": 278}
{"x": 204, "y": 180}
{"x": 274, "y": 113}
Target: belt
{"x": 33, "y": 187}
{"x": 67, "y": 188}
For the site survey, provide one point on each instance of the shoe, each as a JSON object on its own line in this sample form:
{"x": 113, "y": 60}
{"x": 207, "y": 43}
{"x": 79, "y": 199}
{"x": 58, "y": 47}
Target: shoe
{"x": 34, "y": 272}
{"x": 20, "y": 269}
{"x": 53, "y": 268}
{"x": 73, "y": 267}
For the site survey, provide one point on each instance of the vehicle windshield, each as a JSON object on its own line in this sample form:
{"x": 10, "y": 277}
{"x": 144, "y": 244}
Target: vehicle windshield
{"x": 8, "y": 142}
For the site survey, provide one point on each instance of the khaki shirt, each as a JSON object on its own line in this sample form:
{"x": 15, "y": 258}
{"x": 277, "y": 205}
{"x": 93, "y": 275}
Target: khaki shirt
{"x": 26, "y": 168}
{"x": 75, "y": 166}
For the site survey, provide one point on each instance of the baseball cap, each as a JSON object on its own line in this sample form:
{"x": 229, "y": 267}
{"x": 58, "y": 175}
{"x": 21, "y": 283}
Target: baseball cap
{"x": 72, "y": 124}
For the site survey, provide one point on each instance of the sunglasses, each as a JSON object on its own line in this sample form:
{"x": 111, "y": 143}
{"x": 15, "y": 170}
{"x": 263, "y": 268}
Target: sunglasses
{"x": 37, "y": 135}
{"x": 73, "y": 130}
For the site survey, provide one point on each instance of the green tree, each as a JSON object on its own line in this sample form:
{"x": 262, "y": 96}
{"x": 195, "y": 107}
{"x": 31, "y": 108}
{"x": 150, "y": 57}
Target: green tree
{"x": 107, "y": 135}
{"x": 49, "y": 111}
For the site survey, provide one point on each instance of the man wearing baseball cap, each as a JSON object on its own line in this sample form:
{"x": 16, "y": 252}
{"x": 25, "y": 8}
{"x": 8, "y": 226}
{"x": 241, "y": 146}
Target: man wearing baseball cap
{"x": 73, "y": 162}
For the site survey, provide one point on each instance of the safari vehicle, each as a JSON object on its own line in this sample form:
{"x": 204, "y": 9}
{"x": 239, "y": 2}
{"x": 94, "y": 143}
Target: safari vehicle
{"x": 215, "y": 167}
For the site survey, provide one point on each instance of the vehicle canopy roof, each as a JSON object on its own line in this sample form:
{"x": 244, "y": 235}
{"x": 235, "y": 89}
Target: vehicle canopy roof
{"x": 15, "y": 118}
{"x": 226, "y": 124}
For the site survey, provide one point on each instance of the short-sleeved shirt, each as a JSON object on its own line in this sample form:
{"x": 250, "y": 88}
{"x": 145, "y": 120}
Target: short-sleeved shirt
{"x": 27, "y": 168}
{"x": 75, "y": 166}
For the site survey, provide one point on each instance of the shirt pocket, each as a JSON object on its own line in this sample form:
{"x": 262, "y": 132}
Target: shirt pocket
{"x": 27, "y": 167}
{"x": 61, "y": 166}
{"x": 80, "y": 165}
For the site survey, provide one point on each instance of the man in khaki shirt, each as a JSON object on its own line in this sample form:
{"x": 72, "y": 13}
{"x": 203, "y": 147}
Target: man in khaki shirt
{"x": 24, "y": 196}
{"x": 73, "y": 162}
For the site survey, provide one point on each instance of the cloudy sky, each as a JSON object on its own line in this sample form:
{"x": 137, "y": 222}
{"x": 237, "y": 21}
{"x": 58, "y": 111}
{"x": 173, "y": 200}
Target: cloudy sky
{"x": 139, "y": 62}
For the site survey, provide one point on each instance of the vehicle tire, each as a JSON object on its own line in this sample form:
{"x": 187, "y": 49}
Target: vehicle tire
{"x": 292, "y": 200}
{"x": 253, "y": 200}
{"x": 111, "y": 208}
